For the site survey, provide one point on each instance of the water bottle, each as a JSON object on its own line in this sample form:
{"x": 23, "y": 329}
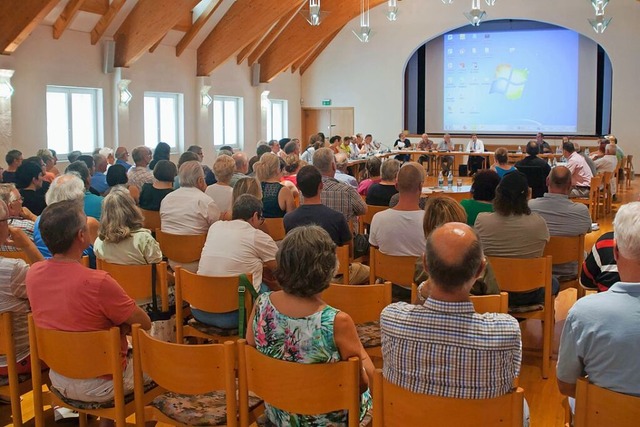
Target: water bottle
{"x": 519, "y": 149}
{"x": 555, "y": 162}
{"x": 586, "y": 151}
{"x": 549, "y": 162}
{"x": 461, "y": 148}
{"x": 440, "y": 179}
{"x": 450, "y": 180}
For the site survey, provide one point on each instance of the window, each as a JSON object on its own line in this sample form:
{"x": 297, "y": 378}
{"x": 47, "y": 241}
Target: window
{"x": 74, "y": 119}
{"x": 227, "y": 121}
{"x": 277, "y": 119}
{"x": 163, "y": 119}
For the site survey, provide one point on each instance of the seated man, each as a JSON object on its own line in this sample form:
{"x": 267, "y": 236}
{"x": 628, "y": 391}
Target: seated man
{"x": 66, "y": 296}
{"x": 92, "y": 203}
{"x": 99, "y": 178}
{"x": 188, "y": 211}
{"x": 444, "y": 348}
{"x": 446, "y": 145}
{"x": 425, "y": 144}
{"x": 599, "y": 338}
{"x": 140, "y": 174}
{"x": 312, "y": 211}
{"x": 599, "y": 270}
{"x": 237, "y": 247}
{"x": 580, "y": 172}
{"x": 608, "y": 163}
{"x": 342, "y": 173}
{"x": 397, "y": 231}
{"x": 535, "y": 168}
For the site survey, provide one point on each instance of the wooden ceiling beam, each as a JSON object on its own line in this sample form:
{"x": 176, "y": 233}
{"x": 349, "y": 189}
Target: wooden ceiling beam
{"x": 314, "y": 55}
{"x": 246, "y": 51}
{"x": 148, "y": 21}
{"x": 66, "y": 17}
{"x": 244, "y": 21}
{"x": 298, "y": 62}
{"x": 185, "y": 23}
{"x": 275, "y": 32}
{"x": 156, "y": 44}
{"x": 19, "y": 18}
{"x": 98, "y": 7}
{"x": 197, "y": 26}
{"x": 105, "y": 20}
{"x": 299, "y": 37}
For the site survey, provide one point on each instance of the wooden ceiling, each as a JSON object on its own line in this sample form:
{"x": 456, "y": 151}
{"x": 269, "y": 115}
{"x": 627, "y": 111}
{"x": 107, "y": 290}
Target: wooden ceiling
{"x": 271, "y": 33}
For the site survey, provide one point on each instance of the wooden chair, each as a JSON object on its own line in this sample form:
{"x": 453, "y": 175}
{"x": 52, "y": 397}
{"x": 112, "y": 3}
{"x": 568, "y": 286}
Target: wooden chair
{"x": 15, "y": 255}
{"x": 179, "y": 248}
{"x": 522, "y": 275}
{"x": 210, "y": 294}
{"x": 395, "y": 269}
{"x": 594, "y": 197}
{"x": 364, "y": 221}
{"x": 15, "y": 388}
{"x": 188, "y": 371}
{"x": 363, "y": 303}
{"x": 567, "y": 249}
{"x": 628, "y": 170}
{"x": 605, "y": 198}
{"x": 497, "y": 303}
{"x": 136, "y": 280}
{"x": 151, "y": 219}
{"x": 80, "y": 355}
{"x": 395, "y": 406}
{"x": 597, "y": 406}
{"x": 343, "y": 254}
{"x": 274, "y": 227}
{"x": 319, "y": 388}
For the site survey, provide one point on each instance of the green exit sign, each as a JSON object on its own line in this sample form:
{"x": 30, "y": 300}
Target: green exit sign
{"x": 326, "y": 102}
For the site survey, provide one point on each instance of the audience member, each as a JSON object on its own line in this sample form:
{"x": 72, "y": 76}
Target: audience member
{"x": 502, "y": 166}
{"x": 599, "y": 338}
{"x": 276, "y": 197}
{"x": 187, "y": 156}
{"x": 395, "y": 231}
{"x": 108, "y": 154}
{"x": 372, "y": 167}
{"x": 608, "y": 163}
{"x": 446, "y": 162}
{"x": 536, "y": 178}
{"x": 342, "y": 173}
{"x": 380, "y": 193}
{"x": 599, "y": 269}
{"x": 73, "y": 156}
{"x": 117, "y": 175}
{"x": 544, "y": 145}
{"x": 19, "y": 216}
{"x": 209, "y": 177}
{"x": 241, "y": 167}
{"x": 293, "y": 164}
{"x": 140, "y": 173}
{"x": 589, "y": 160}
{"x": 306, "y": 264}
{"x": 92, "y": 203}
{"x": 274, "y": 146}
{"x": 122, "y": 157}
{"x": 334, "y": 143}
{"x": 221, "y": 191}
{"x": 291, "y": 148}
{"x": 161, "y": 152}
{"x": 47, "y": 158}
{"x": 314, "y": 144}
{"x": 14, "y": 160}
{"x": 99, "y": 178}
{"x": 67, "y": 296}
{"x": 151, "y": 195}
{"x": 483, "y": 191}
{"x": 580, "y": 172}
{"x": 28, "y": 179}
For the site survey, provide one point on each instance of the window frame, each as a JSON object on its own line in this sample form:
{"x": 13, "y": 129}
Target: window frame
{"x": 270, "y": 120}
{"x": 239, "y": 107}
{"x": 178, "y": 99}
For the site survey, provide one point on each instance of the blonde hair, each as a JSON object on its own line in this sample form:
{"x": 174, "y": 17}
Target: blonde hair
{"x": 247, "y": 185}
{"x": 120, "y": 216}
{"x": 223, "y": 168}
{"x": 267, "y": 167}
{"x": 441, "y": 210}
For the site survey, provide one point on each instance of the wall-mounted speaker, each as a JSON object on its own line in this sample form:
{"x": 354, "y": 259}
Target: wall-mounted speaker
{"x": 255, "y": 75}
{"x": 109, "y": 51}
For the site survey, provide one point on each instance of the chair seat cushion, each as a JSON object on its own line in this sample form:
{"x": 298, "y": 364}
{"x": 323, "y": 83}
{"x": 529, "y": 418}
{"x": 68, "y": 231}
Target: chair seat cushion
{"x": 208, "y": 409}
{"x": 4, "y": 380}
{"x": 81, "y": 405}
{"x": 212, "y": 330}
{"x": 369, "y": 334}
{"x": 526, "y": 308}
{"x": 263, "y": 421}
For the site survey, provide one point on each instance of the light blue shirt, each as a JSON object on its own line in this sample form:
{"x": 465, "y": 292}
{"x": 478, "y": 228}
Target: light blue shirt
{"x": 346, "y": 178}
{"x": 601, "y": 339}
{"x": 99, "y": 182}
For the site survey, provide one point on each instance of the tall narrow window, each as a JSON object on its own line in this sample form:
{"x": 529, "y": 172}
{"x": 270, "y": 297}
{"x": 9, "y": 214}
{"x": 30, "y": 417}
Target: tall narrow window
{"x": 74, "y": 119}
{"x": 227, "y": 121}
{"x": 162, "y": 119}
{"x": 277, "y": 126}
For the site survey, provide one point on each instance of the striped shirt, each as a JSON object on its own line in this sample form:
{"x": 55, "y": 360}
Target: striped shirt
{"x": 342, "y": 197}
{"x": 447, "y": 349}
{"x": 600, "y": 270}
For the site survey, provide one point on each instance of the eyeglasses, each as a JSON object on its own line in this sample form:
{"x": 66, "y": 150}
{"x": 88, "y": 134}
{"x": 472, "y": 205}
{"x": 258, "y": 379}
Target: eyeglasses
{"x": 261, "y": 218}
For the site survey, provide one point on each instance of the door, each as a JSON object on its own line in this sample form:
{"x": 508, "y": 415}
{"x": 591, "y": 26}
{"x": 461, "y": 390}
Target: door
{"x": 330, "y": 121}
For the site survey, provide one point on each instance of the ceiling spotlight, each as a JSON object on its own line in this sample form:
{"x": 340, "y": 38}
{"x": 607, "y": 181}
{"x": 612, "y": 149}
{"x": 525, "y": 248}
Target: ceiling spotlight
{"x": 599, "y": 5}
{"x": 392, "y": 10}
{"x": 490, "y": 2}
{"x": 447, "y": 1}
{"x": 599, "y": 24}
{"x": 475, "y": 16}
{"x": 363, "y": 34}
{"x": 314, "y": 16}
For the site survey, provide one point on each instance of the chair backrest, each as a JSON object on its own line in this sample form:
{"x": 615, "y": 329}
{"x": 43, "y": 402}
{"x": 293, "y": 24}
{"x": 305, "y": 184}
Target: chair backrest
{"x": 136, "y": 280}
{"x": 536, "y": 178}
{"x": 179, "y": 248}
{"x": 395, "y": 406}
{"x": 209, "y": 293}
{"x": 184, "y": 369}
{"x": 597, "y": 406}
{"x": 522, "y": 274}
{"x": 15, "y": 255}
{"x": 365, "y": 220}
{"x": 363, "y": 303}
{"x": 7, "y": 349}
{"x": 565, "y": 249}
{"x": 343, "y": 255}
{"x": 491, "y": 303}
{"x": 319, "y": 388}
{"x": 274, "y": 227}
{"x": 151, "y": 219}
{"x": 396, "y": 269}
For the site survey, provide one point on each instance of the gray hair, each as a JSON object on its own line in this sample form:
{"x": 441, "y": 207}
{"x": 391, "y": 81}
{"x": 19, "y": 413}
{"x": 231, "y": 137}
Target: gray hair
{"x": 68, "y": 186}
{"x": 342, "y": 161}
{"x": 610, "y": 149}
{"x": 120, "y": 216}
{"x": 5, "y": 192}
{"x": 246, "y": 206}
{"x": 138, "y": 153}
{"x": 626, "y": 230}
{"x": 4, "y": 209}
{"x": 189, "y": 173}
{"x": 323, "y": 158}
{"x": 389, "y": 170}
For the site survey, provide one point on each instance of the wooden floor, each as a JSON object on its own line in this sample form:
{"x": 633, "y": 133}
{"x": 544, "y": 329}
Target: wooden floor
{"x": 545, "y": 402}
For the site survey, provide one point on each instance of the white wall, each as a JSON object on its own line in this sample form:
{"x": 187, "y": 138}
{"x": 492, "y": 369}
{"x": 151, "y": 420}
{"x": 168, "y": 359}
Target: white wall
{"x": 370, "y": 76}
{"x": 73, "y": 61}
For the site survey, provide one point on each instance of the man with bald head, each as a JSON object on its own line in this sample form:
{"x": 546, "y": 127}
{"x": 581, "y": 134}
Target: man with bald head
{"x": 122, "y": 157}
{"x": 429, "y": 348}
{"x": 608, "y": 163}
{"x": 242, "y": 167}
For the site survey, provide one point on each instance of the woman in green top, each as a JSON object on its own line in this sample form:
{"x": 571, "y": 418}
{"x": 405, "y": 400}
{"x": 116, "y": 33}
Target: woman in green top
{"x": 483, "y": 191}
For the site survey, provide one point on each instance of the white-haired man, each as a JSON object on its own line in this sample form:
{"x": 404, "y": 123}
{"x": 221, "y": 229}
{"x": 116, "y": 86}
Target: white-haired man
{"x": 608, "y": 163}
{"x": 600, "y": 335}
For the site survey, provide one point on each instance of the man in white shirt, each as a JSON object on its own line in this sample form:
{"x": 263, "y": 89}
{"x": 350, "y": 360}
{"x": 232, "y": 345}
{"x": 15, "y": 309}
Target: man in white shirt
{"x": 608, "y": 163}
{"x": 580, "y": 172}
{"x": 342, "y": 162}
{"x": 398, "y": 231}
{"x": 475, "y": 145}
{"x": 446, "y": 145}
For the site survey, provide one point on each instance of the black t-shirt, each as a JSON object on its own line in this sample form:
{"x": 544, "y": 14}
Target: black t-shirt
{"x": 33, "y": 200}
{"x": 8, "y": 177}
{"x": 151, "y": 197}
{"x": 401, "y": 144}
{"x": 332, "y": 221}
{"x": 380, "y": 194}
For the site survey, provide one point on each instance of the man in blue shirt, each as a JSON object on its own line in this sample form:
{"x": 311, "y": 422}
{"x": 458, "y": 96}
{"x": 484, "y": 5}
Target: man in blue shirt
{"x": 122, "y": 155}
{"x": 99, "y": 178}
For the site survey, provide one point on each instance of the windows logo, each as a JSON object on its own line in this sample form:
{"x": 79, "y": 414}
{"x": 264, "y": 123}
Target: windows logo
{"x": 509, "y": 81}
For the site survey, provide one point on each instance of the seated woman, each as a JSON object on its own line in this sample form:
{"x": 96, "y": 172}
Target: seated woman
{"x": 306, "y": 264}
{"x": 117, "y": 175}
{"x": 438, "y": 211}
{"x": 379, "y": 194}
{"x": 502, "y": 166}
{"x": 152, "y": 194}
{"x": 29, "y": 178}
{"x": 483, "y": 191}
{"x": 221, "y": 192}
{"x": 161, "y": 152}
{"x": 292, "y": 165}
{"x": 372, "y": 167}
{"x": 277, "y": 198}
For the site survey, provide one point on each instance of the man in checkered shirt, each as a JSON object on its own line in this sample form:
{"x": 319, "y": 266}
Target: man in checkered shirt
{"x": 444, "y": 347}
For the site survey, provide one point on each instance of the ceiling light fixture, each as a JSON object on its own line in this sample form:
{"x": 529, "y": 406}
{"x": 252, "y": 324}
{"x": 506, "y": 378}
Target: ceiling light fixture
{"x": 314, "y": 16}
{"x": 125, "y": 95}
{"x": 392, "y": 10}
{"x": 600, "y": 23}
{"x": 475, "y": 15}
{"x": 6, "y": 90}
{"x": 364, "y": 33}
{"x": 205, "y": 98}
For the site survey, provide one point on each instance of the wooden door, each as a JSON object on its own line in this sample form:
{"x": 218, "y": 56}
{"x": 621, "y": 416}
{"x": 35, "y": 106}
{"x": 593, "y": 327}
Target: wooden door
{"x": 330, "y": 121}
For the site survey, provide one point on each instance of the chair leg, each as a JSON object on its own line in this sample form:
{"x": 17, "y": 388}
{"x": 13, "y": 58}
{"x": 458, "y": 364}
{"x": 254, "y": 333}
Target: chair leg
{"x": 82, "y": 419}
{"x": 547, "y": 339}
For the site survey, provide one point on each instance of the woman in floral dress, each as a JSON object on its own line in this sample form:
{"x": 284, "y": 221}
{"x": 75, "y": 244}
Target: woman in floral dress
{"x": 297, "y": 326}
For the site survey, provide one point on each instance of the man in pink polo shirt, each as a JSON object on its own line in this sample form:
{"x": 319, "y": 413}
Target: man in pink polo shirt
{"x": 67, "y": 296}
{"x": 580, "y": 172}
